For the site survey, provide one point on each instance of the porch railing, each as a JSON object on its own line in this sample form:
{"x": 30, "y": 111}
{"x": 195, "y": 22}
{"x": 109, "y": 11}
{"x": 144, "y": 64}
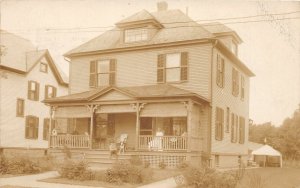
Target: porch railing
{"x": 160, "y": 143}
{"x": 72, "y": 141}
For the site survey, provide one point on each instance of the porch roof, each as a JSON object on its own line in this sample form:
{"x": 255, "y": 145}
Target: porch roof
{"x": 136, "y": 92}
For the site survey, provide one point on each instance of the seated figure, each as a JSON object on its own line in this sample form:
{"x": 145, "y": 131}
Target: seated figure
{"x": 156, "y": 143}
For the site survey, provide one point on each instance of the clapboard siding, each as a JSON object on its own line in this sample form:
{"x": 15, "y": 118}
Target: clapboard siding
{"x": 15, "y": 86}
{"x": 223, "y": 98}
{"x": 139, "y": 68}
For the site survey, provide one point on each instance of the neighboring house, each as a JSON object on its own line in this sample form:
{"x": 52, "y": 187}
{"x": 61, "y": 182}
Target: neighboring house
{"x": 27, "y": 76}
{"x": 175, "y": 87}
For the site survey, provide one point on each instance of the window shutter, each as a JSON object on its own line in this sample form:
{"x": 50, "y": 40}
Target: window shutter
{"x": 218, "y": 69}
{"x": 112, "y": 74}
{"x": 222, "y": 76}
{"x": 93, "y": 73}
{"x": 222, "y": 123}
{"x": 237, "y": 82}
{"x": 27, "y": 127}
{"x": 184, "y": 66}
{"x": 217, "y": 124}
{"x": 46, "y": 91}
{"x": 54, "y": 91}
{"x": 29, "y": 89}
{"x": 232, "y": 127}
{"x": 36, "y": 127}
{"x": 161, "y": 63}
{"x": 37, "y": 91}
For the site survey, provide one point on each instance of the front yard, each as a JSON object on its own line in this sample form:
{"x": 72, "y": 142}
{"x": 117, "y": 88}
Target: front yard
{"x": 271, "y": 178}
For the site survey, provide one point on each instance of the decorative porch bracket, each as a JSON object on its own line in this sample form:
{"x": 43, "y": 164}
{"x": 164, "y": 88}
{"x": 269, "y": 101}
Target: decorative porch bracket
{"x": 92, "y": 108}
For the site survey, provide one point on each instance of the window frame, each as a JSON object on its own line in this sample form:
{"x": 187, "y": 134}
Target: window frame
{"x": 140, "y": 32}
{"x": 54, "y": 91}
{"x": 227, "y": 127}
{"x": 29, "y": 127}
{"x": 162, "y": 68}
{"x": 33, "y": 94}
{"x": 18, "y": 114}
{"x": 112, "y": 72}
{"x": 46, "y": 126}
{"x": 46, "y": 67}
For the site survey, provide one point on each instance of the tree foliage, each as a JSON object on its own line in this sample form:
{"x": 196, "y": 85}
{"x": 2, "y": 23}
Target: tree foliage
{"x": 285, "y": 138}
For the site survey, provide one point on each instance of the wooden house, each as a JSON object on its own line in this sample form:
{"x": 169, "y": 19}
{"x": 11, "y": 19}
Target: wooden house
{"x": 175, "y": 87}
{"x": 27, "y": 76}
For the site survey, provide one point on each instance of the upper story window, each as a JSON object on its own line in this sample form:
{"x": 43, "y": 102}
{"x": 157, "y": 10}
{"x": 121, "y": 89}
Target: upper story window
{"x": 20, "y": 107}
{"x": 135, "y": 35}
{"x": 102, "y": 73}
{"x": 172, "y": 67}
{"x": 234, "y": 125}
{"x": 220, "y": 71}
{"x": 44, "y": 67}
{"x": 50, "y": 91}
{"x": 33, "y": 90}
{"x": 235, "y": 82}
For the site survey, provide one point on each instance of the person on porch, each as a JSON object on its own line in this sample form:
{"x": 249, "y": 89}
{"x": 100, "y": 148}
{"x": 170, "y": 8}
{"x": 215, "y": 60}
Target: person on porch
{"x": 156, "y": 143}
{"x": 101, "y": 135}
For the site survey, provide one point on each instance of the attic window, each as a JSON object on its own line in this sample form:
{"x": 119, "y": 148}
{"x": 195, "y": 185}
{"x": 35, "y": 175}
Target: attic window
{"x": 136, "y": 35}
{"x": 44, "y": 67}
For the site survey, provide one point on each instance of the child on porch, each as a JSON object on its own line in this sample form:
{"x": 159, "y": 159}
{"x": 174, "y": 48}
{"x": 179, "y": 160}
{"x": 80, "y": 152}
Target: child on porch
{"x": 113, "y": 149}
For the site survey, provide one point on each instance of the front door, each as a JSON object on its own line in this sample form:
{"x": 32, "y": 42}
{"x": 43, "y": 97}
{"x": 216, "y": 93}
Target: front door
{"x": 104, "y": 130}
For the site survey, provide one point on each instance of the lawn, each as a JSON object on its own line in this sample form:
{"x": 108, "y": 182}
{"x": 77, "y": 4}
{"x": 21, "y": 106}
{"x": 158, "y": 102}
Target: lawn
{"x": 158, "y": 174}
{"x": 271, "y": 178}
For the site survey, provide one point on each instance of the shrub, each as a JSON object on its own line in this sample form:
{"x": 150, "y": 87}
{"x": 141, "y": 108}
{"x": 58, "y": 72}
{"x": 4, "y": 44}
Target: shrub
{"x": 3, "y": 165}
{"x": 146, "y": 175}
{"x": 124, "y": 172}
{"x": 76, "y": 170}
{"x": 209, "y": 178}
{"x": 162, "y": 164}
{"x": 146, "y": 164}
{"x": 182, "y": 165}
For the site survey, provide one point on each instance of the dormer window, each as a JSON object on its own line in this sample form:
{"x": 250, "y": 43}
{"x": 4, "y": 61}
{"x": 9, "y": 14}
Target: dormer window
{"x": 135, "y": 35}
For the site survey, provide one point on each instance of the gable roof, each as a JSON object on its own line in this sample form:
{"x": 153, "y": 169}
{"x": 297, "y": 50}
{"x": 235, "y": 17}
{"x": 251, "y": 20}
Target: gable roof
{"x": 266, "y": 150}
{"x": 22, "y": 60}
{"x": 176, "y": 27}
{"x": 137, "y": 92}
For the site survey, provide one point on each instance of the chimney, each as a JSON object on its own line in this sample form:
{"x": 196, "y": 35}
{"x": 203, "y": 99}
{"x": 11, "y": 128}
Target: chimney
{"x": 162, "y": 6}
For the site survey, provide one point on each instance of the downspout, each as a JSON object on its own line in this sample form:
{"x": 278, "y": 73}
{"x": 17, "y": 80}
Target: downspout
{"x": 211, "y": 98}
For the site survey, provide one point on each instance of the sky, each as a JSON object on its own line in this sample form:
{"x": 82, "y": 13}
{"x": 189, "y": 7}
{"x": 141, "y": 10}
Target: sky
{"x": 270, "y": 48}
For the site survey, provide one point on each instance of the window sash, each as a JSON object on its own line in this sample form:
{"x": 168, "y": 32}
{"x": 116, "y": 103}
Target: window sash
{"x": 96, "y": 73}
{"x": 46, "y": 128}
{"x": 135, "y": 35}
{"x": 20, "y": 108}
{"x": 33, "y": 90}
{"x": 219, "y": 129}
{"x": 220, "y": 71}
{"x": 31, "y": 129}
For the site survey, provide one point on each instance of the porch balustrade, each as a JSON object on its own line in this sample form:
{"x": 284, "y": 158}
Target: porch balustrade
{"x": 72, "y": 141}
{"x": 163, "y": 143}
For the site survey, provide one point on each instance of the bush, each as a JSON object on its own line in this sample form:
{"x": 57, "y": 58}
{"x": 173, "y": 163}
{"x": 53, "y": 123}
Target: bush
{"x": 209, "y": 178}
{"x": 124, "y": 172}
{"x": 146, "y": 175}
{"x": 76, "y": 170}
{"x": 182, "y": 165}
{"x": 23, "y": 165}
{"x": 146, "y": 164}
{"x": 135, "y": 160}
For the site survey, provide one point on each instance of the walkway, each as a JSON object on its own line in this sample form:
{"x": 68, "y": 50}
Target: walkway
{"x": 32, "y": 181}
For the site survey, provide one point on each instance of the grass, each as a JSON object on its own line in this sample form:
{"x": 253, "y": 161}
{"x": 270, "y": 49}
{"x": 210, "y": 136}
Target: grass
{"x": 271, "y": 178}
{"x": 158, "y": 174}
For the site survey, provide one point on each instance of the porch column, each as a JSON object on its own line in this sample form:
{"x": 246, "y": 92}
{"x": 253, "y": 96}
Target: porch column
{"x": 189, "y": 107}
{"x": 137, "y": 126}
{"x": 52, "y": 112}
{"x": 92, "y": 109}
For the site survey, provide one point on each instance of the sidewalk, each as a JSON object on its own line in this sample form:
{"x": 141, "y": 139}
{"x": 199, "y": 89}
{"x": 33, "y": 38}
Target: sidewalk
{"x": 32, "y": 181}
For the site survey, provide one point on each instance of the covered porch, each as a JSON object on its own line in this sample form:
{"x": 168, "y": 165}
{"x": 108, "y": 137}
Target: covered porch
{"x": 164, "y": 122}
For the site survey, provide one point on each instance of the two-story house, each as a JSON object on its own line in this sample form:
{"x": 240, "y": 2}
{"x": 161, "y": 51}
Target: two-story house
{"x": 176, "y": 88}
{"x": 27, "y": 76}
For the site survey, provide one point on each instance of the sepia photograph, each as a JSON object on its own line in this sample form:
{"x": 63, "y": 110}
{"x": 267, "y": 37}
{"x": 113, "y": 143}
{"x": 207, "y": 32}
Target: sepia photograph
{"x": 149, "y": 94}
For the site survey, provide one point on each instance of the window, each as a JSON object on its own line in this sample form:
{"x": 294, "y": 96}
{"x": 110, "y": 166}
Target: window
{"x": 32, "y": 127}
{"x": 242, "y": 130}
{"x": 46, "y": 128}
{"x": 102, "y": 73}
{"x": 172, "y": 67}
{"x": 44, "y": 67}
{"x": 50, "y": 91}
{"x": 20, "y": 107}
{"x": 136, "y": 35}
{"x": 227, "y": 119}
{"x": 220, "y": 71}
{"x": 33, "y": 90}
{"x": 219, "y": 123}
{"x": 146, "y": 126}
{"x": 235, "y": 82}
{"x": 233, "y": 128}
{"x": 242, "y": 87}
{"x": 236, "y": 128}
